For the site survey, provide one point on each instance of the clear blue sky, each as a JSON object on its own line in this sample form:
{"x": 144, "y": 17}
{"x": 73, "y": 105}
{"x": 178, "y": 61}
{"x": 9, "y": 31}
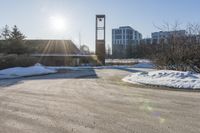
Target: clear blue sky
{"x": 32, "y": 16}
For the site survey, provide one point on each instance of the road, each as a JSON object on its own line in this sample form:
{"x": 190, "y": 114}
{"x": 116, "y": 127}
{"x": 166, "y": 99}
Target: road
{"x": 100, "y": 103}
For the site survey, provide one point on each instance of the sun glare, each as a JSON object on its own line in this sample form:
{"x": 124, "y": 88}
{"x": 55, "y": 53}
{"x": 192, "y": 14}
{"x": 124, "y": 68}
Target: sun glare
{"x": 58, "y": 23}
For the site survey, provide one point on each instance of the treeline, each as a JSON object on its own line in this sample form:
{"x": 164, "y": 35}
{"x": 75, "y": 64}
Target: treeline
{"x": 13, "y": 51}
{"x": 175, "y": 52}
{"x": 12, "y": 41}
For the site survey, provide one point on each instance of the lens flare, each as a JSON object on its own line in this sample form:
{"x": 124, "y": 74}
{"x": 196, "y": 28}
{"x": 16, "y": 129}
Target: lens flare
{"x": 146, "y": 106}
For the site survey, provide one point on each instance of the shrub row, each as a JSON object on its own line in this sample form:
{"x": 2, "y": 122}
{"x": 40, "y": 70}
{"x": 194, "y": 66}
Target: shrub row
{"x": 12, "y": 60}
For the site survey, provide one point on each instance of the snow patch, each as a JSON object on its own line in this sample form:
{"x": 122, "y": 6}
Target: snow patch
{"x": 144, "y": 61}
{"x": 15, "y": 72}
{"x": 144, "y": 65}
{"x": 169, "y": 78}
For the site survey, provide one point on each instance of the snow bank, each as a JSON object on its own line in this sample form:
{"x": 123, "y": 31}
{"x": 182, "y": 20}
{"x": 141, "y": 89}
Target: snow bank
{"x": 169, "y": 78}
{"x": 25, "y": 71}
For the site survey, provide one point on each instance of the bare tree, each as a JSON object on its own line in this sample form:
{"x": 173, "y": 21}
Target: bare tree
{"x": 180, "y": 52}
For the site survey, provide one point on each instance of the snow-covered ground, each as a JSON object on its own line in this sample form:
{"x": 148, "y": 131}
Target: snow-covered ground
{"x": 127, "y": 61}
{"x": 38, "y": 69}
{"x": 88, "y": 67}
{"x": 149, "y": 75}
{"x": 144, "y": 65}
{"x": 121, "y": 60}
{"x": 169, "y": 78}
{"x": 25, "y": 71}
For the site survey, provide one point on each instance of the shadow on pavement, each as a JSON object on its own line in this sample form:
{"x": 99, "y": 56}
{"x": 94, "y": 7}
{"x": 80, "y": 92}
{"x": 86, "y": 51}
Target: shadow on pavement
{"x": 133, "y": 70}
{"x": 128, "y": 69}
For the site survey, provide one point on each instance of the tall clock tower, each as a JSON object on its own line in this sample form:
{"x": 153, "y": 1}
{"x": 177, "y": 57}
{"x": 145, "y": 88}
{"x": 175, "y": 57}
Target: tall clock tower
{"x": 100, "y": 38}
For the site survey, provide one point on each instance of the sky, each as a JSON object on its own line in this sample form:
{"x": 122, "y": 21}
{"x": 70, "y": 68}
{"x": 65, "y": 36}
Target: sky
{"x": 75, "y": 19}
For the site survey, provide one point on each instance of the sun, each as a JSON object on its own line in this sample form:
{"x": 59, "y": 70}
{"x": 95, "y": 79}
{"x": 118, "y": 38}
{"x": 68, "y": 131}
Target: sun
{"x": 58, "y": 23}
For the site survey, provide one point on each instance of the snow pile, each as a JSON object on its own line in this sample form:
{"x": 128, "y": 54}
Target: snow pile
{"x": 15, "y": 72}
{"x": 169, "y": 78}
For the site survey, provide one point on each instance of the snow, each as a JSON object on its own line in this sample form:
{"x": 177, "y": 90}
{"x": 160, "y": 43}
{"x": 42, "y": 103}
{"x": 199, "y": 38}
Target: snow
{"x": 127, "y": 61}
{"x": 90, "y": 67}
{"x": 144, "y": 65}
{"x": 121, "y": 60}
{"x": 143, "y": 61}
{"x": 15, "y": 72}
{"x": 169, "y": 78}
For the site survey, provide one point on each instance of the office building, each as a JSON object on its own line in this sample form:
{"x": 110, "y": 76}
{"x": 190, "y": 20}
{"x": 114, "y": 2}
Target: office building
{"x": 123, "y": 40}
